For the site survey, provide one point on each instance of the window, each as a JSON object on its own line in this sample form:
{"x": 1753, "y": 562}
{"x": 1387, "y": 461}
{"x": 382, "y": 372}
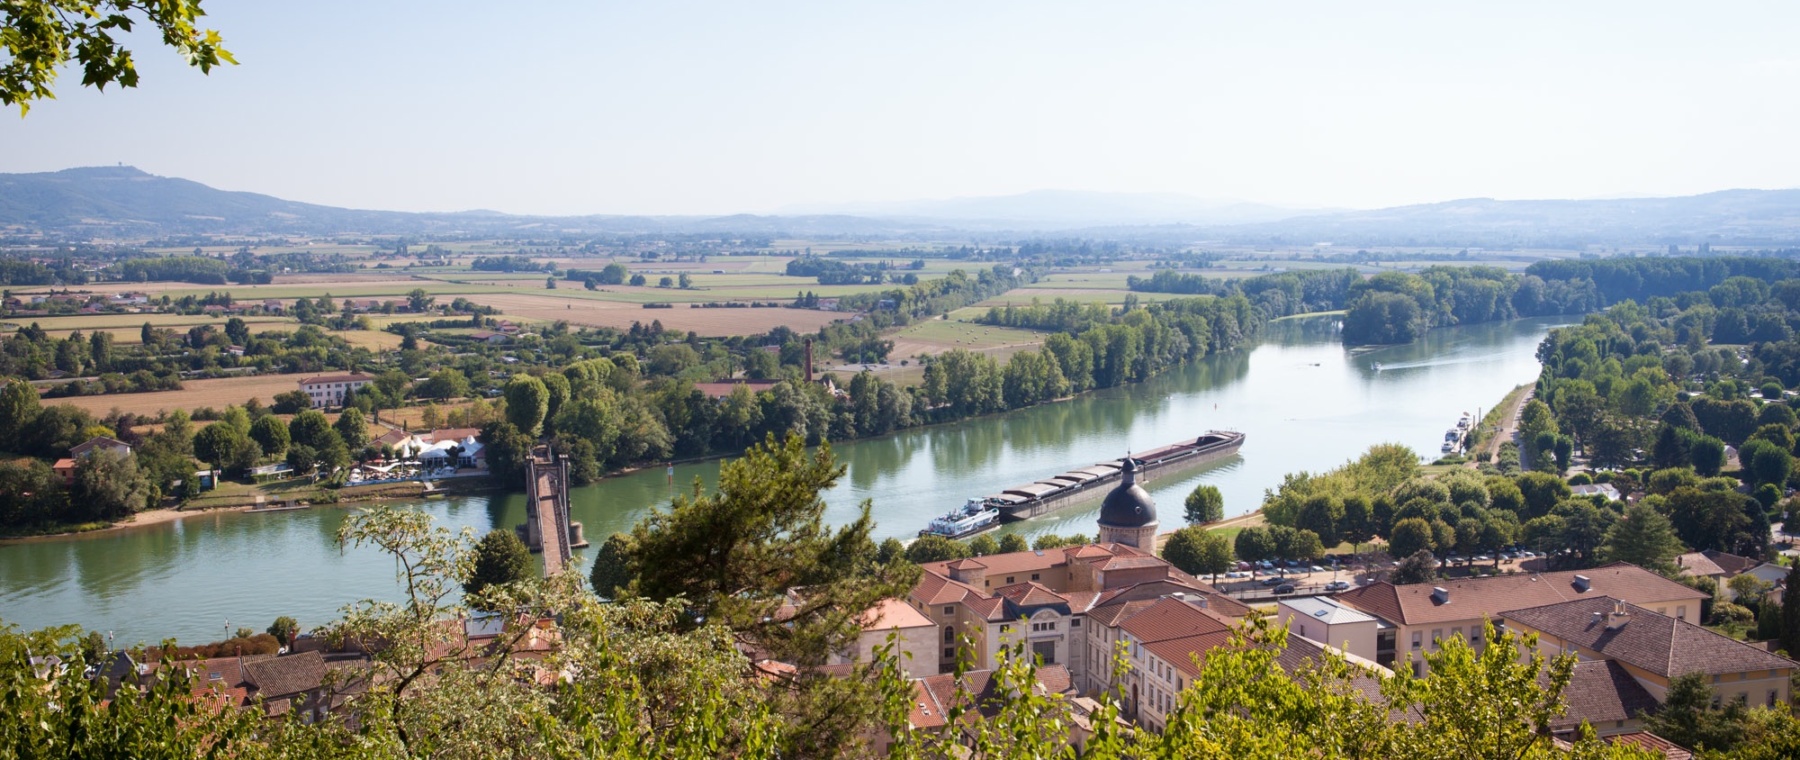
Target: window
{"x": 1774, "y": 696}
{"x": 949, "y": 653}
{"x": 1034, "y": 576}
{"x": 949, "y": 634}
{"x": 1009, "y": 580}
{"x": 1005, "y": 628}
{"x": 950, "y": 610}
{"x": 1437, "y": 634}
{"x": 1416, "y": 637}
{"x": 1715, "y": 678}
{"x": 1041, "y": 627}
{"x": 1457, "y": 632}
{"x": 1681, "y": 612}
{"x": 1076, "y": 623}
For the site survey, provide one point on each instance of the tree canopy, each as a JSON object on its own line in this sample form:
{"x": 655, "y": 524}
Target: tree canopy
{"x": 39, "y": 36}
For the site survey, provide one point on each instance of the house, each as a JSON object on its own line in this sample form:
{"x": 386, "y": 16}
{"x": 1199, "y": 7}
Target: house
{"x": 490, "y": 337}
{"x": 934, "y": 696}
{"x": 101, "y": 443}
{"x": 1654, "y": 649}
{"x": 1422, "y": 615}
{"x": 65, "y": 469}
{"x": 912, "y": 632}
{"x": 331, "y": 390}
{"x": 1322, "y": 619}
{"x": 235, "y": 350}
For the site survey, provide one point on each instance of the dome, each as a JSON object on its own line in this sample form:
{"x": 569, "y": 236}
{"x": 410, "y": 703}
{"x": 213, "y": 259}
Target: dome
{"x": 1128, "y": 505}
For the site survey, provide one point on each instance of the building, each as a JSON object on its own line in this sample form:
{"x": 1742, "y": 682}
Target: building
{"x": 1421, "y": 615}
{"x": 331, "y": 390}
{"x": 1322, "y": 619}
{"x": 1128, "y": 515}
{"x": 100, "y": 443}
{"x": 914, "y": 638}
{"x": 1653, "y": 649}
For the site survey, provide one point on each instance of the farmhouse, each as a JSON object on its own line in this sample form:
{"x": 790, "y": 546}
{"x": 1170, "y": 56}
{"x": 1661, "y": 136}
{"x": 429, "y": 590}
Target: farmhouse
{"x": 331, "y": 390}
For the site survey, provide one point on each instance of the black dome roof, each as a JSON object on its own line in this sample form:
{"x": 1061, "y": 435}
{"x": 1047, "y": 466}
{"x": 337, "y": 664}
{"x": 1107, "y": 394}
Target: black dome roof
{"x": 1128, "y": 505}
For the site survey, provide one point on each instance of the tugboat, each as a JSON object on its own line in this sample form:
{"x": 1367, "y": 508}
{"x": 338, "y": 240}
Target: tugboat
{"x": 967, "y": 520}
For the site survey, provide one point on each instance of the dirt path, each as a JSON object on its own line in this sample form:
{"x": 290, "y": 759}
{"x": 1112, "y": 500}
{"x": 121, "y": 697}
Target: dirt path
{"x": 1509, "y": 427}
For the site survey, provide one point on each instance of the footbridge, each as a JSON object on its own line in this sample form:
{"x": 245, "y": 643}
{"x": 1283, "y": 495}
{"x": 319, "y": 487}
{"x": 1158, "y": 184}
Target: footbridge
{"x": 547, "y": 528}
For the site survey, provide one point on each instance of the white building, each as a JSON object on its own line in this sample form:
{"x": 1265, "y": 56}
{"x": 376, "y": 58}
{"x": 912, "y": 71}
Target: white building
{"x": 331, "y": 390}
{"x": 1331, "y": 624}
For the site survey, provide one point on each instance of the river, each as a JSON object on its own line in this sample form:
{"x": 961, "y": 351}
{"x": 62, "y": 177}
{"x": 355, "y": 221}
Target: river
{"x": 1302, "y": 399}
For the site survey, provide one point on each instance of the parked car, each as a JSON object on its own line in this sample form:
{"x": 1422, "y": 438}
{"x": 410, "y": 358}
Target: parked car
{"x": 1272, "y": 581}
{"x": 1337, "y": 585}
{"x": 1317, "y": 569}
{"x": 1285, "y": 588}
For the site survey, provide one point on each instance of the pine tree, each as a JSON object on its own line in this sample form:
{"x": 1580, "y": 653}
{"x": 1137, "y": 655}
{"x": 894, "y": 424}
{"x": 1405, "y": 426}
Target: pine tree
{"x": 500, "y": 558}
{"x": 1643, "y": 537}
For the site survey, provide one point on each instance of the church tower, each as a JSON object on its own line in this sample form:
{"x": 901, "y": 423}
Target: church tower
{"x": 1128, "y": 515}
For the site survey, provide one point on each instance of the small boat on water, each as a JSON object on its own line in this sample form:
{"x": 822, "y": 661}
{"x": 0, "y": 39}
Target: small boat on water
{"x": 1377, "y": 366}
{"x": 969, "y": 519}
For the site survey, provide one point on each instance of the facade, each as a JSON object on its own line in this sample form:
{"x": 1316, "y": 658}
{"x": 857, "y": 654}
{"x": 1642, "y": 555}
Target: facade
{"x": 100, "y": 443}
{"x": 1653, "y": 649}
{"x": 1421, "y": 615}
{"x": 1322, "y": 619}
{"x": 331, "y": 390}
{"x": 913, "y": 634}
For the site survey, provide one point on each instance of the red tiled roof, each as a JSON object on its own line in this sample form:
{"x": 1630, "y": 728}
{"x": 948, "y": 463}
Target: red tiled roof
{"x": 1654, "y": 743}
{"x": 1170, "y": 619}
{"x": 1732, "y": 564}
{"x": 1179, "y": 653}
{"x": 1030, "y": 594}
{"x": 893, "y": 613}
{"x": 1657, "y": 643}
{"x": 1472, "y": 598}
{"x": 1601, "y": 692}
{"x": 966, "y": 564}
{"x": 351, "y": 378}
{"x": 1697, "y": 563}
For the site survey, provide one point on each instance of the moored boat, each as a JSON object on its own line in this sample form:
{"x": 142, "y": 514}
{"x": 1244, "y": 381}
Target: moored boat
{"x": 1075, "y": 486}
{"x": 969, "y": 519}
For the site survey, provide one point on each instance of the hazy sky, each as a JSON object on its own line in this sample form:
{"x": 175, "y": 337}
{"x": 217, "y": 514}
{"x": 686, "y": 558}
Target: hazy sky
{"x": 685, "y": 107}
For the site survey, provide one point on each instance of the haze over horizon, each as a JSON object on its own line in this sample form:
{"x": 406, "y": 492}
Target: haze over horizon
{"x": 698, "y": 108}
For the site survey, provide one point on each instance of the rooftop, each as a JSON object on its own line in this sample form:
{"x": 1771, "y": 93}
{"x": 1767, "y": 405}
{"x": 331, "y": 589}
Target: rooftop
{"x": 1325, "y": 610}
{"x": 1656, "y": 643}
{"x": 1601, "y": 692}
{"x": 1474, "y": 598}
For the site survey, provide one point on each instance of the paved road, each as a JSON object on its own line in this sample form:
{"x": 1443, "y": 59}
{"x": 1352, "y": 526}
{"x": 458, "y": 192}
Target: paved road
{"x": 1509, "y": 430}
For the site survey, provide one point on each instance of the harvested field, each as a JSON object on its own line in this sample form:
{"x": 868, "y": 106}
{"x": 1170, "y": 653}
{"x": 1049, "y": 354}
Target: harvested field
{"x": 709, "y": 322}
{"x": 374, "y": 340}
{"x": 213, "y": 392}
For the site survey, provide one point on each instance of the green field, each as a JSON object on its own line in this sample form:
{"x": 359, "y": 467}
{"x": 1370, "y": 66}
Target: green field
{"x": 952, "y": 333}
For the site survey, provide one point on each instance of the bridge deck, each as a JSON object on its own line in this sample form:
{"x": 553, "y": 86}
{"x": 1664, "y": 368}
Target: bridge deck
{"x": 556, "y": 549}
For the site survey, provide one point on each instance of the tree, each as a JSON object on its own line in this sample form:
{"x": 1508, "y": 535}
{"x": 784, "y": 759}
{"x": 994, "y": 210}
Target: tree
{"x": 1709, "y": 455}
{"x": 1205, "y": 504}
{"x": 1321, "y": 514}
{"x": 1013, "y": 542}
{"x": 291, "y": 402}
{"x": 1643, "y": 537}
{"x": 301, "y": 458}
{"x": 500, "y": 559}
{"x": 612, "y": 567}
{"x": 108, "y": 486}
{"x": 42, "y": 35}
{"x": 18, "y": 410}
{"x": 1411, "y": 536}
{"x": 735, "y": 554}
{"x": 1688, "y": 718}
{"x": 1197, "y": 551}
{"x": 614, "y": 274}
{"x": 351, "y": 427}
{"x": 665, "y": 282}
{"x": 311, "y": 428}
{"x": 1765, "y": 462}
{"x": 507, "y": 451}
{"x": 1418, "y": 567}
{"x": 270, "y": 434}
{"x": 1254, "y": 544}
{"x": 935, "y": 548}
{"x": 417, "y": 300}
{"x": 983, "y": 545}
{"x": 527, "y": 402}
{"x": 637, "y": 280}
{"x": 285, "y": 629}
{"x": 218, "y": 444}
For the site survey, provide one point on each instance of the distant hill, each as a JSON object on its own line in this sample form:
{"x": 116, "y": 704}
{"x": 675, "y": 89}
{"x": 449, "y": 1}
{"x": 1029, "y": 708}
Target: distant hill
{"x": 1065, "y": 209}
{"x": 123, "y": 202}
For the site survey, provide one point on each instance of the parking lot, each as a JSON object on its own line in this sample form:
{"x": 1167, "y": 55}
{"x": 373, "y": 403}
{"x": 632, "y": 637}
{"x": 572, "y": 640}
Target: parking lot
{"x": 1277, "y": 578}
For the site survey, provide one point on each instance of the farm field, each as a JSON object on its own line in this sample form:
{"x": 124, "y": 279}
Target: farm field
{"x": 213, "y": 392}
{"x": 708, "y": 322}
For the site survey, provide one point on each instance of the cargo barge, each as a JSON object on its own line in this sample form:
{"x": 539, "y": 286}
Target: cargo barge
{"x": 1075, "y": 486}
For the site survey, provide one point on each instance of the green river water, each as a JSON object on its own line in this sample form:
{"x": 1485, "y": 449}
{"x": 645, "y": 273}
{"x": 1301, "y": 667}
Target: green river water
{"x": 1303, "y": 400}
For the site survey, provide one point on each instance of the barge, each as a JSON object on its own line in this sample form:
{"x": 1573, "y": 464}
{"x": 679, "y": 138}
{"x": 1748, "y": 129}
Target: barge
{"x": 1076, "y": 486}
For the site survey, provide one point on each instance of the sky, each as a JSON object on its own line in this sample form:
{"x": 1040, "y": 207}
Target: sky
{"x": 677, "y": 107}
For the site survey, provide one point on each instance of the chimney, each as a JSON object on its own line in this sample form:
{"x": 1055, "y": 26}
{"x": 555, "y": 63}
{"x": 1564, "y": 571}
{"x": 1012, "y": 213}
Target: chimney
{"x": 1440, "y": 595}
{"x": 1599, "y": 617}
{"x": 809, "y": 360}
{"x": 1583, "y": 583}
{"x": 1620, "y": 616}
